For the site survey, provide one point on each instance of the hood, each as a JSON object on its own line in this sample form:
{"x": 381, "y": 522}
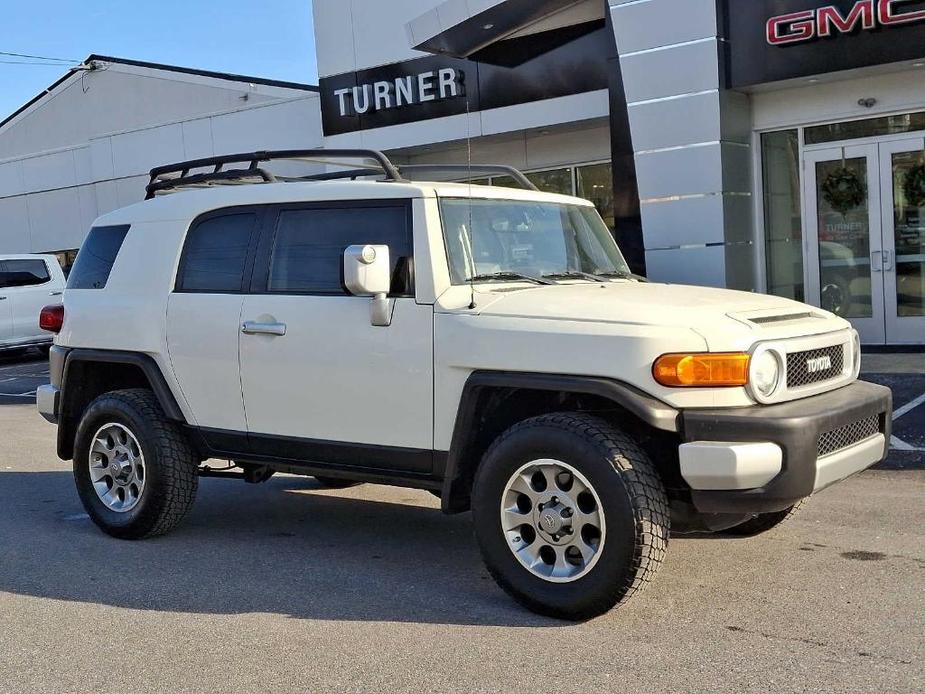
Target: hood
{"x": 716, "y": 314}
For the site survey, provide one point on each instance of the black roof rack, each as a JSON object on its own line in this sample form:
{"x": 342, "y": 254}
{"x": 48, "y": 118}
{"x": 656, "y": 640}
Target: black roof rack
{"x": 181, "y": 175}
{"x": 173, "y": 176}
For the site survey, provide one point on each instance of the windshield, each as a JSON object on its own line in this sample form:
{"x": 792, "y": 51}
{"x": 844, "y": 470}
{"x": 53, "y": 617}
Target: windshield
{"x": 510, "y": 239}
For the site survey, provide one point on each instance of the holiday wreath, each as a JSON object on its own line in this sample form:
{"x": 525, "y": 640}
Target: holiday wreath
{"x": 844, "y": 190}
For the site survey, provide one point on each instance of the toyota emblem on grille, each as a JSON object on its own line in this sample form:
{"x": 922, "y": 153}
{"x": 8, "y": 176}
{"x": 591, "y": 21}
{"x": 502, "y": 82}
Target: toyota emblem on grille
{"x": 818, "y": 364}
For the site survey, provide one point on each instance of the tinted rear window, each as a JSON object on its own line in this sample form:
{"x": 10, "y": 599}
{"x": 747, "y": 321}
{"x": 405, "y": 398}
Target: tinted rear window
{"x": 96, "y": 257}
{"x": 215, "y": 254}
{"x": 23, "y": 273}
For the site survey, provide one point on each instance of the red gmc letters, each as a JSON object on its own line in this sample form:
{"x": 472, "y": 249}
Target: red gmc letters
{"x": 807, "y": 25}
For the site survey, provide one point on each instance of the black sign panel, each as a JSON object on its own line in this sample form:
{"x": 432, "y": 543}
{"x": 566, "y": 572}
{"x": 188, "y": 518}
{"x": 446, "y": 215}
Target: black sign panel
{"x": 771, "y": 40}
{"x": 436, "y": 87}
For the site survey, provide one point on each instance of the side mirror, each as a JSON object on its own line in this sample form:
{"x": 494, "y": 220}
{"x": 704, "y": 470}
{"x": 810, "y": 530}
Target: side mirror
{"x": 367, "y": 272}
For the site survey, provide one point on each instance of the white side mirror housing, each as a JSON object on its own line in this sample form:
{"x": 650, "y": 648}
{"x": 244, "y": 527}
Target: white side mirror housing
{"x": 367, "y": 272}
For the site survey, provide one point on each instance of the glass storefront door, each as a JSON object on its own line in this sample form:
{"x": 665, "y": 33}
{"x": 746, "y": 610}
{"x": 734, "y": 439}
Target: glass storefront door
{"x": 902, "y": 167}
{"x": 865, "y": 236}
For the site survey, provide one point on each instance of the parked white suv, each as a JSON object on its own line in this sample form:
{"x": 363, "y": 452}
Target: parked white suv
{"x": 487, "y": 344}
{"x": 27, "y": 283}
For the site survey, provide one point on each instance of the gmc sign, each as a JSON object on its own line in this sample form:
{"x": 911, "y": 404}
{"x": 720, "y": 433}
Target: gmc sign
{"x": 866, "y": 15}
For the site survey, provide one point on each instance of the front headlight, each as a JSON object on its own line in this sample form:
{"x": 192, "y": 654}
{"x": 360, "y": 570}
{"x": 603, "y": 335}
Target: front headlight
{"x": 764, "y": 372}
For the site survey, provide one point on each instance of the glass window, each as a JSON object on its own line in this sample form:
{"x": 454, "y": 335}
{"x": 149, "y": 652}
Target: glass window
{"x": 66, "y": 260}
{"x": 869, "y": 127}
{"x": 215, "y": 254}
{"x": 844, "y": 238}
{"x": 554, "y": 181}
{"x": 783, "y": 224}
{"x": 595, "y": 183}
{"x": 96, "y": 257}
{"x": 493, "y": 237}
{"x": 909, "y": 232}
{"x": 308, "y": 250}
{"x": 23, "y": 273}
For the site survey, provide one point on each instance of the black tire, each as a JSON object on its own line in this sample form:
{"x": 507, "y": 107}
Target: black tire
{"x": 762, "y": 523}
{"x": 171, "y": 477}
{"x": 335, "y": 483}
{"x": 633, "y": 501}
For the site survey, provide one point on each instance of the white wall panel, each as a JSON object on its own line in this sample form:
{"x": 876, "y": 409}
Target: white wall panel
{"x": 55, "y": 220}
{"x": 197, "y": 139}
{"x": 14, "y": 227}
{"x": 10, "y": 179}
{"x": 136, "y": 152}
{"x": 667, "y": 22}
{"x": 54, "y": 170}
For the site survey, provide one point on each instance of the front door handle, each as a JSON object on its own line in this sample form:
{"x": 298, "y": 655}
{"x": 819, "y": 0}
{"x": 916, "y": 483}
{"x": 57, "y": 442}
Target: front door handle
{"x": 876, "y": 261}
{"x": 253, "y": 328}
{"x": 58, "y": 293}
{"x": 2, "y": 298}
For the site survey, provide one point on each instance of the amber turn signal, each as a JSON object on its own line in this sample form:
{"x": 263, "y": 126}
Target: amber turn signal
{"x": 701, "y": 370}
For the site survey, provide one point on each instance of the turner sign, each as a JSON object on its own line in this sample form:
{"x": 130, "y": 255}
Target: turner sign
{"x": 865, "y": 15}
{"x": 434, "y": 85}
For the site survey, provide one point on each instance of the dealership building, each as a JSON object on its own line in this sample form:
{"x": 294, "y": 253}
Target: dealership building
{"x": 766, "y": 145}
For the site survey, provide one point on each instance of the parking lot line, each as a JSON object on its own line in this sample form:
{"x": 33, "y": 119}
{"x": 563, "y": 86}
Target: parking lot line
{"x": 908, "y": 407}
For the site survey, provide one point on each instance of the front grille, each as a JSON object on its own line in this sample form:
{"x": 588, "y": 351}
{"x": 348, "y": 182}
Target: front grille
{"x": 848, "y": 435}
{"x": 814, "y": 366}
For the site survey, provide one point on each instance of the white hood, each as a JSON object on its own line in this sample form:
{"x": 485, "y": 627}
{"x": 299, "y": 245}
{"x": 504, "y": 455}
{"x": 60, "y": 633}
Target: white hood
{"x": 721, "y": 316}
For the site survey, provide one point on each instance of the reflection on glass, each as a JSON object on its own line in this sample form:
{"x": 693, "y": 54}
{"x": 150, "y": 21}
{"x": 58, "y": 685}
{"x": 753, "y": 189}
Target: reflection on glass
{"x": 842, "y": 192}
{"x": 595, "y": 183}
{"x": 555, "y": 181}
{"x": 868, "y": 127}
{"x": 909, "y": 230}
{"x": 783, "y": 222}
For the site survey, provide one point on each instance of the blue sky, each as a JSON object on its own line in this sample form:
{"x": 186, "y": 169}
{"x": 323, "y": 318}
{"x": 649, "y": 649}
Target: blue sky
{"x": 263, "y": 38}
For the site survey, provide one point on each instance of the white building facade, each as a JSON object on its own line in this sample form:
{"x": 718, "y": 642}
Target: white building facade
{"x": 769, "y": 145}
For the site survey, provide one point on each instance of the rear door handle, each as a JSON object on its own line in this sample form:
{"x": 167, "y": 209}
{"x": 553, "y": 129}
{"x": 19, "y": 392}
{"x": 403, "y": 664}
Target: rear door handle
{"x": 876, "y": 261}
{"x": 2, "y": 298}
{"x": 55, "y": 293}
{"x": 253, "y": 328}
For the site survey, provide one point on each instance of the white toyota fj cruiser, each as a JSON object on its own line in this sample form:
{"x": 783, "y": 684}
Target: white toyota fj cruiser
{"x": 487, "y": 344}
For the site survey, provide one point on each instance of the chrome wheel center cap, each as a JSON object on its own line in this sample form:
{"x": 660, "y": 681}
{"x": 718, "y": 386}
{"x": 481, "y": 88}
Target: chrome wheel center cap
{"x": 554, "y": 519}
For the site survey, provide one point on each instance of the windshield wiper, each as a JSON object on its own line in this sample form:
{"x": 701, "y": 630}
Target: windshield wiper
{"x": 622, "y": 276}
{"x": 574, "y": 275}
{"x": 501, "y": 276}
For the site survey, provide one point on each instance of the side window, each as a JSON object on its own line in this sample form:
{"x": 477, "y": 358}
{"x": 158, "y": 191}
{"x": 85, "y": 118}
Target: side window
{"x": 23, "y": 273}
{"x": 96, "y": 257}
{"x": 215, "y": 254}
{"x": 307, "y": 252}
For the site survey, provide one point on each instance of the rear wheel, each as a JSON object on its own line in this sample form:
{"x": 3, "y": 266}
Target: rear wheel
{"x": 570, "y": 514}
{"x": 763, "y": 522}
{"x": 135, "y": 471}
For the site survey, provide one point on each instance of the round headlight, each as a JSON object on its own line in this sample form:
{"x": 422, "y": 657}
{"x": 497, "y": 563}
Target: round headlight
{"x": 764, "y": 374}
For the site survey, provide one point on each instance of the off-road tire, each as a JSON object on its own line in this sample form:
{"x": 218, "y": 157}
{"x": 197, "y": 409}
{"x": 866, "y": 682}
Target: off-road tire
{"x": 763, "y": 522}
{"x": 335, "y": 483}
{"x": 171, "y": 465}
{"x": 632, "y": 497}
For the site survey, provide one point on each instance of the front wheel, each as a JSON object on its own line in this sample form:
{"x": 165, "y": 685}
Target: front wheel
{"x": 570, "y": 515}
{"x": 135, "y": 471}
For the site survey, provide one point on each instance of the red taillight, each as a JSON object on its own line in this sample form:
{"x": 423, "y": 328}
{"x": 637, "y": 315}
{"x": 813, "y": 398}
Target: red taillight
{"x": 52, "y": 318}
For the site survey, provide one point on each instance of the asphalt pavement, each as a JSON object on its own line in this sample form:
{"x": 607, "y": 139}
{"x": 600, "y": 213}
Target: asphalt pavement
{"x": 288, "y": 587}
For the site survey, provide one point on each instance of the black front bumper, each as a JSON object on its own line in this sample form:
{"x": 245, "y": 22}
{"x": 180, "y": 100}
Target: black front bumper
{"x": 794, "y": 426}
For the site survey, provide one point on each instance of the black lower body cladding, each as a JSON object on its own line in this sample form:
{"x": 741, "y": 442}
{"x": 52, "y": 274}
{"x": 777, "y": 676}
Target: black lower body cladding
{"x": 794, "y": 426}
